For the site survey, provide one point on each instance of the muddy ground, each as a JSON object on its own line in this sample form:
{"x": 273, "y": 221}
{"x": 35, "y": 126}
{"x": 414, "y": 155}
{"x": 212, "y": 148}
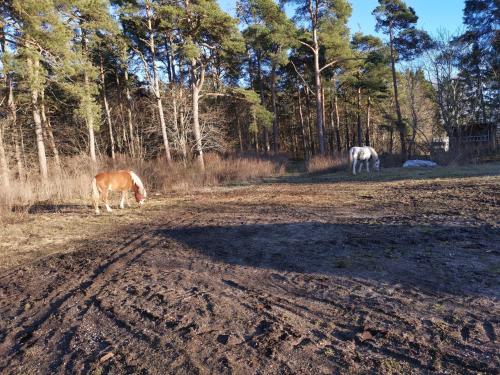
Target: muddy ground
{"x": 296, "y": 275}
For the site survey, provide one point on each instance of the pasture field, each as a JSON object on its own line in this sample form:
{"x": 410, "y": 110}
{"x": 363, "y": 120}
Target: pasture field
{"x": 389, "y": 273}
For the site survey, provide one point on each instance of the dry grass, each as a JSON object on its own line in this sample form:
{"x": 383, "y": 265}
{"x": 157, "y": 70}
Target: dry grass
{"x": 160, "y": 177}
{"x": 322, "y": 164}
{"x": 72, "y": 184}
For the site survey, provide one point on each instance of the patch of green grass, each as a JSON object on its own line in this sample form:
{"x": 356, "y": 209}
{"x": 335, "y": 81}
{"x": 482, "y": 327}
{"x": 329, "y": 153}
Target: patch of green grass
{"x": 328, "y": 352}
{"x": 390, "y": 366}
{"x": 394, "y": 174}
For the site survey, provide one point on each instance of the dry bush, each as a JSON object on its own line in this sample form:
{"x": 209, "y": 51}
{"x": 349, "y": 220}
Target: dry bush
{"x": 160, "y": 177}
{"x": 327, "y": 164}
{"x": 74, "y": 181}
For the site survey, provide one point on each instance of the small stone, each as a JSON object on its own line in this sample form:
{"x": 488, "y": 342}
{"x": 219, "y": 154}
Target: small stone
{"x": 106, "y": 357}
{"x": 366, "y": 335}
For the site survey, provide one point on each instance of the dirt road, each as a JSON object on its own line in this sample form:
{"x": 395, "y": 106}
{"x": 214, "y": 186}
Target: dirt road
{"x": 293, "y": 276}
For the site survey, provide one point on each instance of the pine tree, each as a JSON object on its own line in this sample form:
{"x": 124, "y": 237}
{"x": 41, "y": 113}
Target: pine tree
{"x": 206, "y": 33}
{"x": 398, "y": 20}
{"x": 44, "y": 36}
{"x": 269, "y": 35}
{"x": 327, "y": 29}
{"x": 479, "y": 61}
{"x": 370, "y": 76}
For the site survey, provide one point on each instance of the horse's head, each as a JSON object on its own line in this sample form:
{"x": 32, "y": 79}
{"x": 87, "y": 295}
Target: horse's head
{"x": 377, "y": 165}
{"x": 140, "y": 194}
{"x": 140, "y": 197}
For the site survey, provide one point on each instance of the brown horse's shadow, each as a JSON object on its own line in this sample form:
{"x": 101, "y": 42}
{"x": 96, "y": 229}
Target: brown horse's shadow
{"x": 48, "y": 208}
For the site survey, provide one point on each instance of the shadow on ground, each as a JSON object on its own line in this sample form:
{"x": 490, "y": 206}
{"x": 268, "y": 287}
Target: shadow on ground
{"x": 44, "y": 208}
{"x": 458, "y": 260}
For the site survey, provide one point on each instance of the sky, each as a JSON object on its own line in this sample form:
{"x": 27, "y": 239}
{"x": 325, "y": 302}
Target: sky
{"x": 434, "y": 15}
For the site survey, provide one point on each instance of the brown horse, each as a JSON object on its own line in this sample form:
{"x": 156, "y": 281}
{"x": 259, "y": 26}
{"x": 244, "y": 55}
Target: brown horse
{"x": 122, "y": 181}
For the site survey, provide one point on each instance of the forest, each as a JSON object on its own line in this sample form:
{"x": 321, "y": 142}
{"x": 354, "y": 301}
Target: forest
{"x": 249, "y": 245}
{"x": 170, "y": 81}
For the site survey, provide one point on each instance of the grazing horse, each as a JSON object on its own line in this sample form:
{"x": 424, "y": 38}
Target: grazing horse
{"x": 363, "y": 154}
{"x": 122, "y": 181}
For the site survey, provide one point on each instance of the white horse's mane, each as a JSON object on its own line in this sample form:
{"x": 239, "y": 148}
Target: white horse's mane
{"x": 374, "y": 153}
{"x": 138, "y": 182}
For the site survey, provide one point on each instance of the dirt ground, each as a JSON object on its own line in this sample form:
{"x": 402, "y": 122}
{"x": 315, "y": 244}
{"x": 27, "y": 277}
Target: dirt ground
{"x": 395, "y": 273}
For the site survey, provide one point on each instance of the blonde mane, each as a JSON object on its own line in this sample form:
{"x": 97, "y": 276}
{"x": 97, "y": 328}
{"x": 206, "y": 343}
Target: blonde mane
{"x": 138, "y": 182}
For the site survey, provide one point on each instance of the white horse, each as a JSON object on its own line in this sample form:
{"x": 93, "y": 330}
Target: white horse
{"x": 363, "y": 154}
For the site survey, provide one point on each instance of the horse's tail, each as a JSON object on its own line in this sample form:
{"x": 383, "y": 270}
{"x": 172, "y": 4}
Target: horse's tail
{"x": 138, "y": 182}
{"x": 95, "y": 190}
{"x": 95, "y": 195}
{"x": 351, "y": 155}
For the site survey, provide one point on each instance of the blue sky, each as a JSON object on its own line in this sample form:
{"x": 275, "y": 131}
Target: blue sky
{"x": 433, "y": 15}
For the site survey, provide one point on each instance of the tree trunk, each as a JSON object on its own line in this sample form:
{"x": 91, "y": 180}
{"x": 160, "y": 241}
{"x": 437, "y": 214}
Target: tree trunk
{"x": 17, "y": 136}
{"x": 90, "y": 122}
{"x": 312, "y": 144}
{"x": 303, "y": 128}
{"x": 4, "y": 165}
{"x": 240, "y": 136}
{"x": 391, "y": 141}
{"x": 360, "y": 129}
{"x": 368, "y": 120}
{"x": 260, "y": 78}
{"x": 173, "y": 80}
{"x": 182, "y": 111}
{"x": 33, "y": 69}
{"x": 89, "y": 116}
{"x": 48, "y": 130}
{"x": 346, "y": 123}
{"x": 323, "y": 112}
{"x": 276, "y": 136}
{"x": 133, "y": 141}
{"x": 400, "y": 124}
{"x": 107, "y": 110}
{"x": 319, "y": 101}
{"x": 18, "y": 154}
{"x": 337, "y": 122}
{"x": 156, "y": 86}
{"x": 196, "y": 85}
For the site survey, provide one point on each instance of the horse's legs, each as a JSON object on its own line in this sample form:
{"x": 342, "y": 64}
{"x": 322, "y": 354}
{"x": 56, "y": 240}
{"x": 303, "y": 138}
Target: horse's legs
{"x": 105, "y": 198}
{"x": 122, "y": 201}
{"x": 354, "y": 166}
{"x": 368, "y": 165}
{"x": 360, "y": 165}
{"x": 126, "y": 199}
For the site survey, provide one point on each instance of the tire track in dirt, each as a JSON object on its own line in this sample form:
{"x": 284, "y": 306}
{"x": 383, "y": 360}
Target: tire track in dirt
{"x": 226, "y": 288}
{"x": 13, "y": 344}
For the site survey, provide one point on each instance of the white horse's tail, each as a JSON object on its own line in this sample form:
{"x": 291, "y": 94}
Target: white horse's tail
{"x": 139, "y": 183}
{"x": 351, "y": 155}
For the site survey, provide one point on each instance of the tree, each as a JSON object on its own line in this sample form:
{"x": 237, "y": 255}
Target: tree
{"x": 41, "y": 35}
{"x": 207, "y": 34}
{"x": 268, "y": 36}
{"x": 398, "y": 20}
{"x": 449, "y": 89}
{"x": 141, "y": 21}
{"x": 479, "y": 62}
{"x": 327, "y": 30}
{"x": 370, "y": 76}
